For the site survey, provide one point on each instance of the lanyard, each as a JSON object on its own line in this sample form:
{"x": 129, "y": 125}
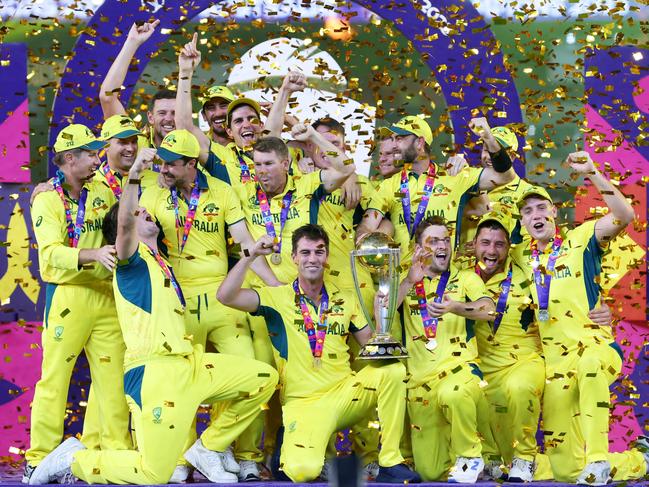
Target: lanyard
{"x": 245, "y": 169}
{"x": 505, "y": 287}
{"x": 113, "y": 184}
{"x": 543, "y": 280}
{"x": 169, "y": 275}
{"x": 430, "y": 323}
{"x": 191, "y": 212}
{"x": 74, "y": 229}
{"x": 267, "y": 216}
{"x": 316, "y": 336}
{"x": 423, "y": 203}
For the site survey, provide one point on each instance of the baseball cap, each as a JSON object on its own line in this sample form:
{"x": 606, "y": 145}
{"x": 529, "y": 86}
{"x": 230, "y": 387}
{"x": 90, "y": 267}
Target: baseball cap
{"x": 178, "y": 144}
{"x": 537, "y": 191}
{"x": 242, "y": 101}
{"x": 410, "y": 125}
{"x": 77, "y": 136}
{"x": 505, "y": 137}
{"x": 217, "y": 91}
{"x": 119, "y": 126}
{"x": 500, "y": 215}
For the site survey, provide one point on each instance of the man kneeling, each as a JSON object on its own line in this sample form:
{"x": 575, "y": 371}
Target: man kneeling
{"x": 165, "y": 379}
{"x": 308, "y": 320}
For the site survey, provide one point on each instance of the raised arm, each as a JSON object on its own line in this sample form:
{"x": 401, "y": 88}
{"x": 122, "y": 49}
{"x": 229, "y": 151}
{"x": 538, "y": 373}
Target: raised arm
{"x": 501, "y": 171}
{"x": 127, "y": 238}
{"x": 482, "y": 309}
{"x": 292, "y": 82}
{"x": 188, "y": 59}
{"x": 621, "y": 212}
{"x": 241, "y": 235}
{"x": 111, "y": 87}
{"x": 334, "y": 176}
{"x": 230, "y": 292}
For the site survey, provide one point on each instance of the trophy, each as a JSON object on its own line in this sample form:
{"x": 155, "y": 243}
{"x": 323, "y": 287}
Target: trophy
{"x": 378, "y": 253}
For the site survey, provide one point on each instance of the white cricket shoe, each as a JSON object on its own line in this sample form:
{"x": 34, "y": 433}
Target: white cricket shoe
{"x": 371, "y": 471}
{"x": 249, "y": 471}
{"x": 230, "y": 463}
{"x": 493, "y": 470}
{"x": 521, "y": 470}
{"x": 181, "y": 474}
{"x": 56, "y": 467}
{"x": 595, "y": 473}
{"x": 209, "y": 463}
{"x": 466, "y": 470}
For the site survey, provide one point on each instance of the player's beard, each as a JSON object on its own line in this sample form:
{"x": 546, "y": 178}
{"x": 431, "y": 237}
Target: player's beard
{"x": 410, "y": 154}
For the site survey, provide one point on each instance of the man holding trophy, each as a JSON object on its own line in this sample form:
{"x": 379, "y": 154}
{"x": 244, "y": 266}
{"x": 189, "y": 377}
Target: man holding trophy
{"x": 308, "y": 321}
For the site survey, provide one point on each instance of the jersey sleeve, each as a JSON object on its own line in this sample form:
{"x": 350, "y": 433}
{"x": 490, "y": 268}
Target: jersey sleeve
{"x": 214, "y": 167}
{"x": 308, "y": 183}
{"x": 233, "y": 210}
{"x": 133, "y": 281}
{"x": 48, "y": 217}
{"x": 474, "y": 288}
{"x": 383, "y": 198}
{"x": 357, "y": 321}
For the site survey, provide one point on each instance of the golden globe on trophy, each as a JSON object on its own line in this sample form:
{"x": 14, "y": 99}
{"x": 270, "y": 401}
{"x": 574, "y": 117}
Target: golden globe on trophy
{"x": 378, "y": 253}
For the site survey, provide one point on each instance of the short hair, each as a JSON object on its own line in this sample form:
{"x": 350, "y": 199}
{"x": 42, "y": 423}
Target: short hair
{"x": 331, "y": 123}
{"x": 109, "y": 227}
{"x": 272, "y": 144}
{"x": 492, "y": 225}
{"x": 163, "y": 94}
{"x": 310, "y": 232}
{"x": 59, "y": 157}
{"x": 431, "y": 221}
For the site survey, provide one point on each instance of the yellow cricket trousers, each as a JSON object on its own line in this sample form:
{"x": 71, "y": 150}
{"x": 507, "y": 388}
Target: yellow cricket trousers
{"x": 209, "y": 321}
{"x": 80, "y": 318}
{"x": 576, "y": 405}
{"x": 514, "y": 395}
{"x": 310, "y": 422}
{"x": 164, "y": 395}
{"x": 446, "y": 414}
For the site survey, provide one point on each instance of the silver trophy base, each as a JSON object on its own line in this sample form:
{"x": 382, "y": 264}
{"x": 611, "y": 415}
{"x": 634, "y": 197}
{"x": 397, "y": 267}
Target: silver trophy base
{"x": 382, "y": 347}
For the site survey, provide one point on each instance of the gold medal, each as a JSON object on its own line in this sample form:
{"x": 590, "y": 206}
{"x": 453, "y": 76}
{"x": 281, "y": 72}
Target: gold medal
{"x": 276, "y": 258}
{"x": 431, "y": 344}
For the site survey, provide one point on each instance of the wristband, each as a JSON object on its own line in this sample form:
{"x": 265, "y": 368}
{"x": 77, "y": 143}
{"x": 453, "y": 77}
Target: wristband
{"x": 133, "y": 181}
{"x": 501, "y": 161}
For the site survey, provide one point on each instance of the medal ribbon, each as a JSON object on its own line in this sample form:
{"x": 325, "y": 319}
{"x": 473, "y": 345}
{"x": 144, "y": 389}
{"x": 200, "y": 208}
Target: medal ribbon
{"x": 113, "y": 184}
{"x": 74, "y": 229}
{"x": 430, "y": 323}
{"x": 543, "y": 281}
{"x": 267, "y": 216}
{"x": 168, "y": 274}
{"x": 191, "y": 212}
{"x": 423, "y": 203}
{"x": 316, "y": 335}
{"x": 245, "y": 169}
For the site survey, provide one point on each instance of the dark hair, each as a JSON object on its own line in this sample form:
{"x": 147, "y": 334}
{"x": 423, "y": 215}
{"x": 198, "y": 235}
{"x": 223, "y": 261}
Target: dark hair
{"x": 272, "y": 144}
{"x": 59, "y": 157}
{"x": 492, "y": 225}
{"x": 431, "y": 221}
{"x": 310, "y": 232}
{"x": 109, "y": 227}
{"x": 163, "y": 94}
{"x": 331, "y": 123}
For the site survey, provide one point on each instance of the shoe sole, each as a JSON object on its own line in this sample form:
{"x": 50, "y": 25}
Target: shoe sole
{"x": 71, "y": 444}
{"x": 189, "y": 457}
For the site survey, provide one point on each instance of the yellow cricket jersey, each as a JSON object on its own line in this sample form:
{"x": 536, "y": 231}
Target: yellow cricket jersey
{"x": 203, "y": 264}
{"x": 339, "y": 223}
{"x": 146, "y": 139}
{"x": 517, "y": 336}
{"x": 149, "y": 310}
{"x": 58, "y": 261}
{"x": 449, "y": 197}
{"x": 299, "y": 378}
{"x": 456, "y": 344}
{"x": 574, "y": 291}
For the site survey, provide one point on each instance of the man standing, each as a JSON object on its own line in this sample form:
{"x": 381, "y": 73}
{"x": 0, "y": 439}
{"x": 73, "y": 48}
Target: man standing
{"x": 419, "y": 191}
{"x": 308, "y": 321}
{"x": 582, "y": 358}
{"x": 446, "y": 404}
{"x": 79, "y": 306}
{"x": 165, "y": 379}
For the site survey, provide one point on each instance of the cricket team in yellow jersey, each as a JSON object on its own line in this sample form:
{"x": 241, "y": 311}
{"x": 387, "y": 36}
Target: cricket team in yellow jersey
{"x": 214, "y": 268}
